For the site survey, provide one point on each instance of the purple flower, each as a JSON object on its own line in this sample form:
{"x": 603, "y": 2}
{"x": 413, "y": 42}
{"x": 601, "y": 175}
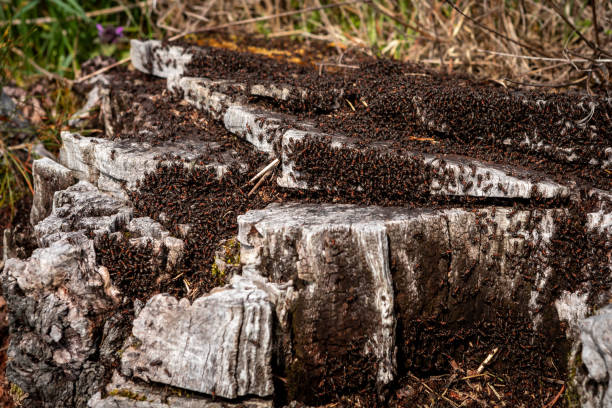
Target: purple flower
{"x": 109, "y": 34}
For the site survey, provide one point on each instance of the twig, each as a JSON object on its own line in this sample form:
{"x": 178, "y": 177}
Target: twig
{"x": 196, "y": 16}
{"x": 496, "y": 393}
{"x": 271, "y": 165}
{"x": 350, "y": 104}
{"x": 20, "y": 146}
{"x": 556, "y": 398}
{"x": 270, "y": 17}
{"x": 102, "y": 70}
{"x": 484, "y": 27}
{"x": 487, "y": 360}
{"x": 470, "y": 396}
{"x": 593, "y": 4}
{"x": 21, "y": 167}
{"x": 529, "y": 57}
{"x": 48, "y": 74}
{"x": 431, "y": 391}
{"x": 567, "y": 51}
{"x": 566, "y": 84}
{"x": 469, "y": 377}
{"x": 259, "y": 183}
{"x": 437, "y": 41}
{"x": 333, "y": 64}
{"x": 449, "y": 382}
{"x": 553, "y": 380}
{"x": 89, "y": 14}
{"x": 286, "y": 33}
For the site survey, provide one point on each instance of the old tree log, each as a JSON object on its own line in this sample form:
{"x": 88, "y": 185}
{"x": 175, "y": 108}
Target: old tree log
{"x": 354, "y": 269}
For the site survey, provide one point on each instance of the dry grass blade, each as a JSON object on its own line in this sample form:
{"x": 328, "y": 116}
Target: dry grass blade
{"x": 487, "y": 360}
{"x": 595, "y": 23}
{"x": 103, "y": 70}
{"x": 21, "y": 168}
{"x": 499, "y": 398}
{"x": 405, "y": 29}
{"x": 497, "y": 33}
{"x": 530, "y": 57}
{"x": 555, "y": 85}
{"x": 553, "y": 380}
{"x": 26, "y": 146}
{"x": 387, "y": 13}
{"x": 338, "y": 65}
{"x": 433, "y": 392}
{"x": 576, "y": 30}
{"x": 259, "y": 183}
{"x": 266, "y": 18}
{"x": 552, "y": 403}
{"x": 265, "y": 170}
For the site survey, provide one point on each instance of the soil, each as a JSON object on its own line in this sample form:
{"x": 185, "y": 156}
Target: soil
{"x": 436, "y": 352}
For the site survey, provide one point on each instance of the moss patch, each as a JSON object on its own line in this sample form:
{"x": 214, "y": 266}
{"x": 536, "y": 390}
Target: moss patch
{"x": 125, "y": 393}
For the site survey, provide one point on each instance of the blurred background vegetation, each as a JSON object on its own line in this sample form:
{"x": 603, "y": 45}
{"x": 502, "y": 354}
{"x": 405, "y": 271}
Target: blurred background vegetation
{"x": 555, "y": 44}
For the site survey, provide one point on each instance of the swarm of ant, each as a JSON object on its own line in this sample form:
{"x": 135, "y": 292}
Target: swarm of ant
{"x": 561, "y": 135}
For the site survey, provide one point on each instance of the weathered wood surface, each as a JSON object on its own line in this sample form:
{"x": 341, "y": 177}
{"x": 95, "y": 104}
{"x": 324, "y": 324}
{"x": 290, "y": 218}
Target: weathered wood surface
{"x": 325, "y": 297}
{"x": 221, "y": 344}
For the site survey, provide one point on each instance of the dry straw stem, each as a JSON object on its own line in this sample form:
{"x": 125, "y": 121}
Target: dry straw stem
{"x": 267, "y": 18}
{"x": 552, "y": 403}
{"x": 103, "y": 70}
{"x": 265, "y": 170}
{"x": 259, "y": 183}
{"x": 444, "y": 33}
{"x": 487, "y": 360}
{"x": 566, "y": 60}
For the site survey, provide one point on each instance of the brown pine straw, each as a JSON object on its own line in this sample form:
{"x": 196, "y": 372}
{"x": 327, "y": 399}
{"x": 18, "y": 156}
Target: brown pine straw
{"x": 267, "y": 18}
{"x": 527, "y": 41}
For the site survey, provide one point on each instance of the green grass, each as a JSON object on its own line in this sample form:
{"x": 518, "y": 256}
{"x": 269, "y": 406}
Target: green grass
{"x": 68, "y": 37}
{"x": 379, "y": 32}
{"x": 57, "y": 36}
